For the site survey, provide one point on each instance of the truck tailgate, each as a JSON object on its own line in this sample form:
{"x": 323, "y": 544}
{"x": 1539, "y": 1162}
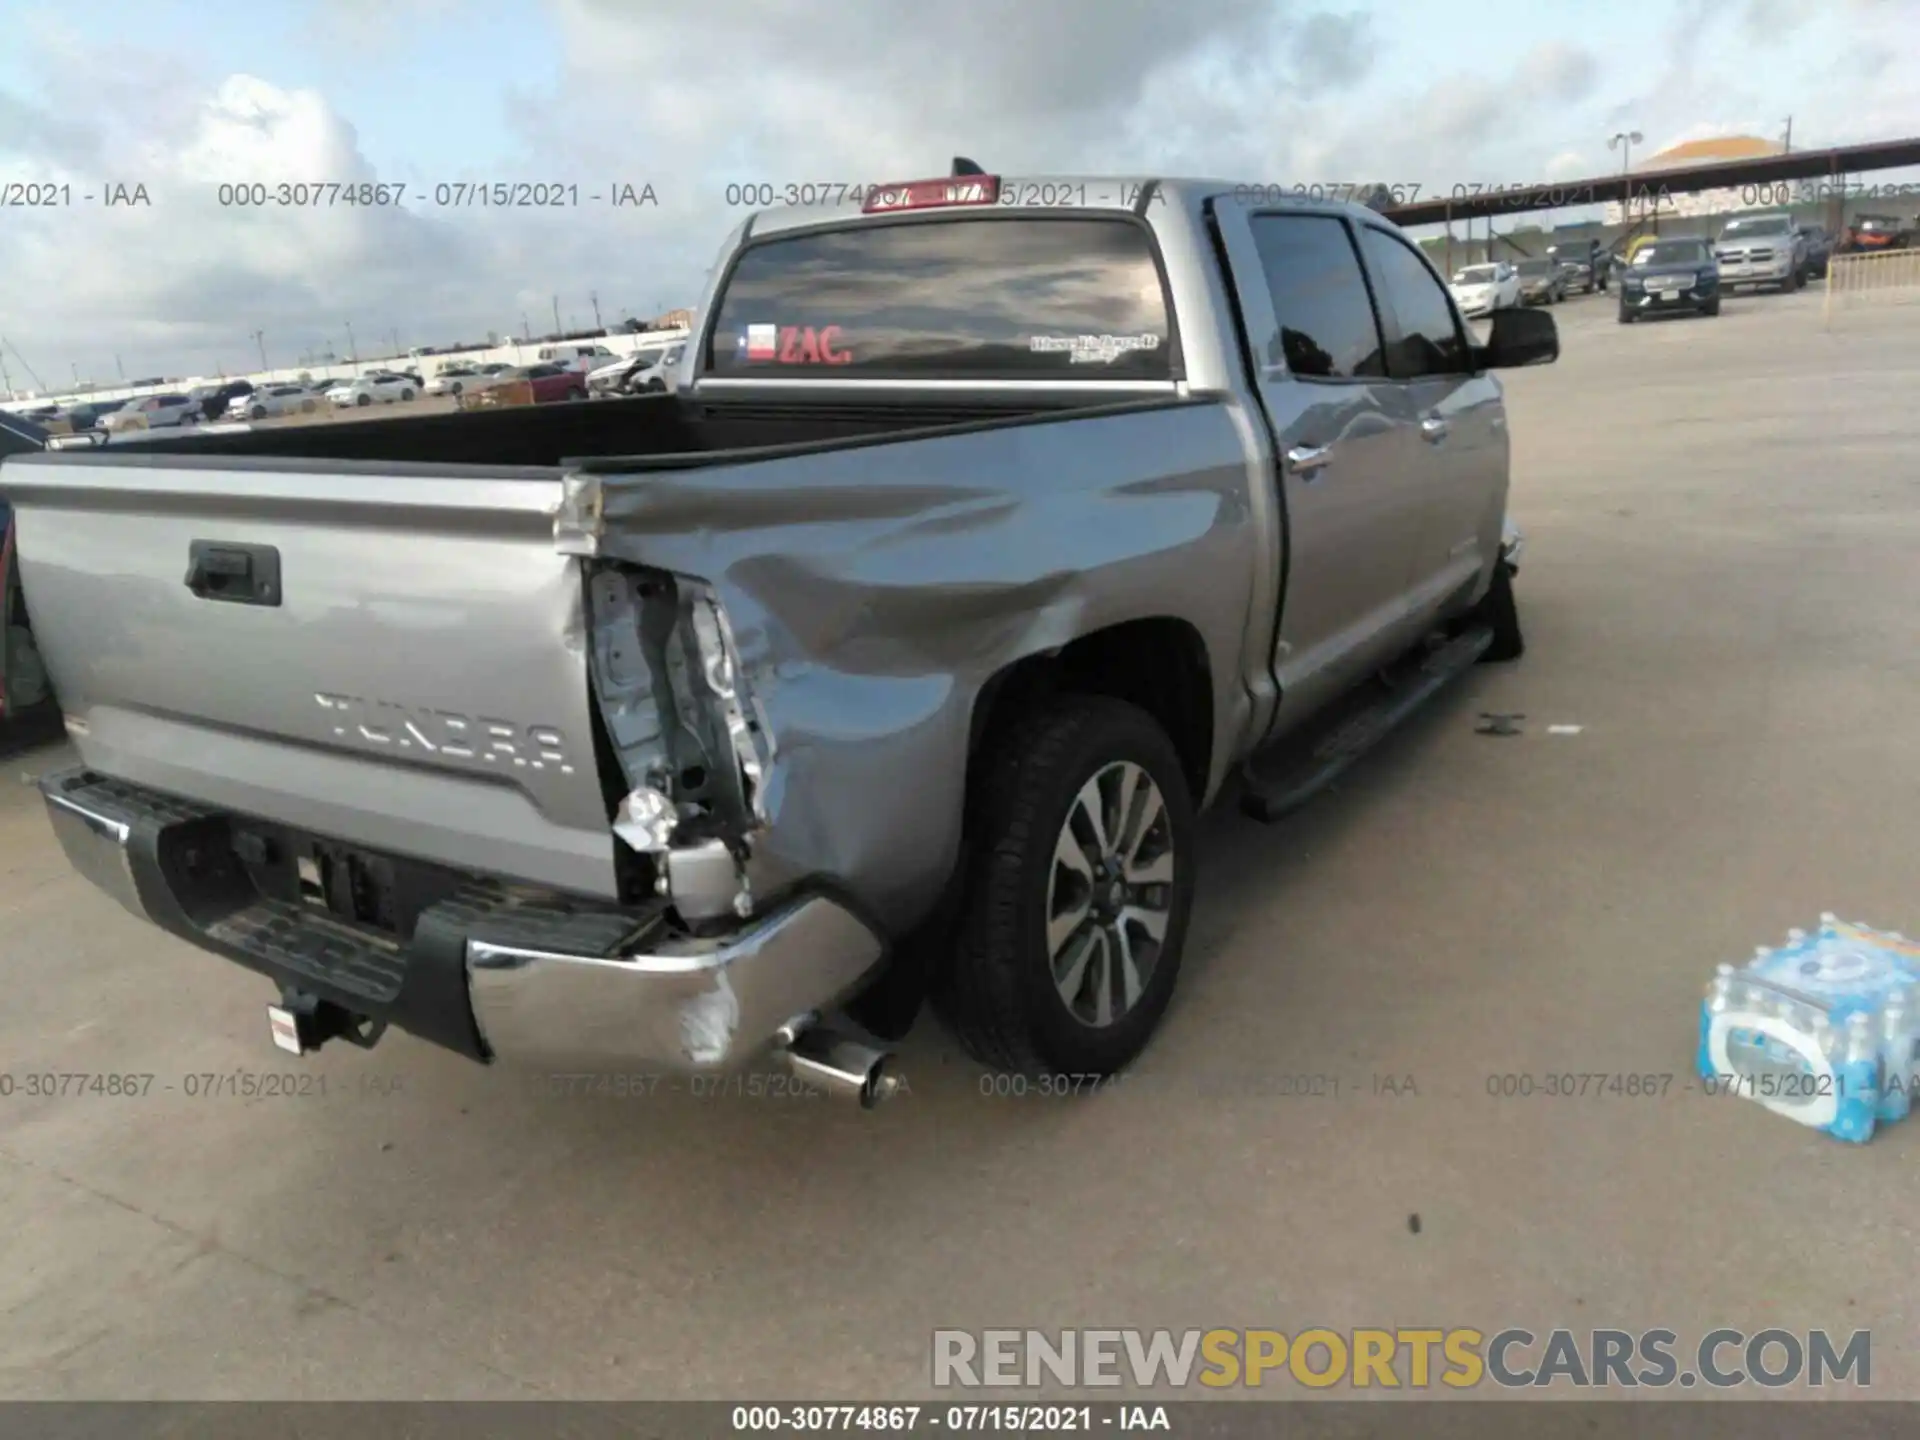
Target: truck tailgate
{"x": 380, "y": 653}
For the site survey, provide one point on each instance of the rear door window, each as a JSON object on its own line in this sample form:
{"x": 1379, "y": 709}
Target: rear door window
{"x": 983, "y": 298}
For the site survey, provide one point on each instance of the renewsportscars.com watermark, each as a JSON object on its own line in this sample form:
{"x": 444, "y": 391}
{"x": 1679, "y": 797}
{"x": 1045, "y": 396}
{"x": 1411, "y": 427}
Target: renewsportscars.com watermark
{"x": 1412, "y": 1359}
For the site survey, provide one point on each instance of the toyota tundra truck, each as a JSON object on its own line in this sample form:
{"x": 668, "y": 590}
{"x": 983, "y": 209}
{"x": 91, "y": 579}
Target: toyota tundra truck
{"x": 991, "y": 529}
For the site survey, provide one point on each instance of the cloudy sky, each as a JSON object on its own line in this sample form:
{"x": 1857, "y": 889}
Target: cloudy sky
{"x": 182, "y": 96}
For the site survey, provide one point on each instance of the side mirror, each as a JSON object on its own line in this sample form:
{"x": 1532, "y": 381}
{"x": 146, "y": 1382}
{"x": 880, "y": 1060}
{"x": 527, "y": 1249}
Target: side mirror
{"x": 1520, "y": 337}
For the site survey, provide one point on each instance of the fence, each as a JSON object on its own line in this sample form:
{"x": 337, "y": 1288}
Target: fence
{"x": 1889, "y": 277}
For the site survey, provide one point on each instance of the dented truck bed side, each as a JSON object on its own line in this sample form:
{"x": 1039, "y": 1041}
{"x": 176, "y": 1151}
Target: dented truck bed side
{"x": 874, "y": 593}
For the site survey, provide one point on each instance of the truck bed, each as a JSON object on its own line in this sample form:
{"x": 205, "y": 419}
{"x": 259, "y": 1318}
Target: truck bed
{"x": 614, "y": 432}
{"x": 391, "y": 647}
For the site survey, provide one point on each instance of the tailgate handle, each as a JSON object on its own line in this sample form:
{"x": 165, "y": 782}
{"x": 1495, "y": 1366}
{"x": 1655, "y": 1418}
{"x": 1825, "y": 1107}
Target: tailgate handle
{"x": 238, "y": 574}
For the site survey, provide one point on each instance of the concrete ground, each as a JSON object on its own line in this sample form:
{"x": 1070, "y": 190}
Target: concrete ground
{"x": 1719, "y": 589}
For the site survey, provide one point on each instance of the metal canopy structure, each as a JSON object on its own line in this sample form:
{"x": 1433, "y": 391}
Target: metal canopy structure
{"x": 1650, "y": 186}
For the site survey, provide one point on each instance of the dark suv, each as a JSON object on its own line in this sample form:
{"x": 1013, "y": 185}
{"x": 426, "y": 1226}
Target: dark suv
{"x": 1819, "y": 250}
{"x": 1670, "y": 275}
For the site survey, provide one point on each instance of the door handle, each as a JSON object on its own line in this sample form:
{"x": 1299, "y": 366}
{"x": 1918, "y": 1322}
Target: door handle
{"x": 1434, "y": 428}
{"x": 1309, "y": 459}
{"x": 238, "y": 574}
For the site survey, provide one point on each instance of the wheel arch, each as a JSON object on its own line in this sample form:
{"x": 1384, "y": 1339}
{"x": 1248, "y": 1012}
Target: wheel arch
{"x": 1159, "y": 663}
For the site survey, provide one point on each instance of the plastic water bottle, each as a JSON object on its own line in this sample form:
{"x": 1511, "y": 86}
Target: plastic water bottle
{"x": 1857, "y": 1085}
{"x": 1827, "y": 1038}
{"x": 1896, "y": 1092}
{"x": 1721, "y": 998}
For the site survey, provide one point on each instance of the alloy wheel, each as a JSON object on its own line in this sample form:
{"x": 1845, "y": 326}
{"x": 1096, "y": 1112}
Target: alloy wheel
{"x": 1110, "y": 893}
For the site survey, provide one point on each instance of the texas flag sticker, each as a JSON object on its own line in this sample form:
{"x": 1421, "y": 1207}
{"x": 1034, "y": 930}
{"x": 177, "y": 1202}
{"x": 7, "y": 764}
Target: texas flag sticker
{"x": 762, "y": 341}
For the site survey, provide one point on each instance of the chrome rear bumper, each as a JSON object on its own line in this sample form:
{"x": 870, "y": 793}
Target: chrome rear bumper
{"x": 685, "y": 1005}
{"x": 486, "y": 972}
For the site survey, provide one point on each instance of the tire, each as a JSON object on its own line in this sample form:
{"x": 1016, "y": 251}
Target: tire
{"x": 1498, "y": 610}
{"x": 363, "y": 400}
{"x": 406, "y": 394}
{"x": 999, "y": 995}
{"x": 1711, "y": 308}
{"x": 1626, "y": 316}
{"x": 258, "y": 412}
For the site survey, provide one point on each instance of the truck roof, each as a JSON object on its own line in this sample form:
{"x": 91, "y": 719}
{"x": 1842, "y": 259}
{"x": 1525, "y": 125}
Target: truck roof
{"x": 1065, "y": 194}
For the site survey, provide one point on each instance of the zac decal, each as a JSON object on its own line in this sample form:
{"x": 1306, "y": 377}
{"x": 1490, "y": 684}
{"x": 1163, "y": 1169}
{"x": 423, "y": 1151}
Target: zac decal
{"x": 794, "y": 345}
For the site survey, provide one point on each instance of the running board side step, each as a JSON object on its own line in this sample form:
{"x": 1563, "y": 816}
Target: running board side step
{"x": 1285, "y": 776}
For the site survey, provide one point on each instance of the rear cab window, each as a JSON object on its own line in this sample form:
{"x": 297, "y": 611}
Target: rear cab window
{"x": 981, "y": 298}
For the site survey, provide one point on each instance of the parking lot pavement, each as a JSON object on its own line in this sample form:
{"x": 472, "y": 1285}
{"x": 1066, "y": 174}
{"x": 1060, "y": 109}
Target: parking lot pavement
{"x": 1718, "y": 589}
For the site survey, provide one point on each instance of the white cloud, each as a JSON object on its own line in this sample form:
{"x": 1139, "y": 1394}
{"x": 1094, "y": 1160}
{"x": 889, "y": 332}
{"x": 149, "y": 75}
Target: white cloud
{"x": 692, "y": 97}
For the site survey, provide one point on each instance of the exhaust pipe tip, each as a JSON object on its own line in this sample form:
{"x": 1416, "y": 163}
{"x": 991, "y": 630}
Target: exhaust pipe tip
{"x": 841, "y": 1066}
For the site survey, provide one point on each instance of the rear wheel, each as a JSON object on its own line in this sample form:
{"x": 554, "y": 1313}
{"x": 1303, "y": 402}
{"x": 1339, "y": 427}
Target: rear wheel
{"x": 1081, "y": 872}
{"x": 363, "y": 400}
{"x": 406, "y": 394}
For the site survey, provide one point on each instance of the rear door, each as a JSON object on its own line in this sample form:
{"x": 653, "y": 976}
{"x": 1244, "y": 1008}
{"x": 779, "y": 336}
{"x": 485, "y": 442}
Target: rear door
{"x": 1459, "y": 480}
{"x": 1349, "y": 466}
{"x": 372, "y": 653}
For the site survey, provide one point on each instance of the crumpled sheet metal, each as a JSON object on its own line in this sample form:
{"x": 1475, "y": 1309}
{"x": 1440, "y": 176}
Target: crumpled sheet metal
{"x": 874, "y": 590}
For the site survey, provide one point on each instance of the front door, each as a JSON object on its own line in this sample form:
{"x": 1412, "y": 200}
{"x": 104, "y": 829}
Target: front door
{"x": 1459, "y": 416}
{"x": 1349, "y": 458}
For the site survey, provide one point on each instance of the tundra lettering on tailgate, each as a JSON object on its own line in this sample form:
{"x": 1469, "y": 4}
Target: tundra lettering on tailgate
{"x": 389, "y": 724}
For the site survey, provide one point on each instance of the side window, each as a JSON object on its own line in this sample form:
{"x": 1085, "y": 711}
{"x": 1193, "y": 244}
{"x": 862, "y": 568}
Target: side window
{"x": 1327, "y": 326}
{"x": 1430, "y": 340}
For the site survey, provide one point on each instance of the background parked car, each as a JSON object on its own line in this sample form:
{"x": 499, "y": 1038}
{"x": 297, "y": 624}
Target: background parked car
{"x": 460, "y": 378}
{"x": 271, "y": 400}
{"x": 644, "y": 370}
{"x": 1670, "y": 275}
{"x": 214, "y": 400}
{"x": 1762, "y": 250}
{"x": 155, "y": 412}
{"x": 376, "y": 385}
{"x": 1876, "y": 232}
{"x": 1819, "y": 249}
{"x": 553, "y": 382}
{"x": 88, "y": 413}
{"x": 1542, "y": 282}
{"x": 655, "y": 371}
{"x": 575, "y": 357}
{"x": 1579, "y": 267}
{"x": 1483, "y": 289}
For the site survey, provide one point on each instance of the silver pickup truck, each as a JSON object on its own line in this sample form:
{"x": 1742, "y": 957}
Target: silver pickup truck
{"x": 993, "y": 528}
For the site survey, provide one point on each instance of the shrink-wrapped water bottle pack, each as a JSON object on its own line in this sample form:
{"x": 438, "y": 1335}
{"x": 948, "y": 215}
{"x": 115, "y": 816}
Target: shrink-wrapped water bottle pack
{"x": 1822, "y": 1029}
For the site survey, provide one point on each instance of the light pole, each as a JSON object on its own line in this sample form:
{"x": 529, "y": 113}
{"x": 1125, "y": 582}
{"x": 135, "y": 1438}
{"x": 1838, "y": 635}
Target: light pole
{"x": 353, "y": 350}
{"x": 260, "y": 339}
{"x": 1786, "y": 144}
{"x": 1624, "y": 141}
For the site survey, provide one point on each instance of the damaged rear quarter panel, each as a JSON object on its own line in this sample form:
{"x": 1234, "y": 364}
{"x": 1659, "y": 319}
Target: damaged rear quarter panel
{"x": 874, "y": 590}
